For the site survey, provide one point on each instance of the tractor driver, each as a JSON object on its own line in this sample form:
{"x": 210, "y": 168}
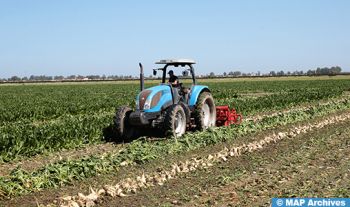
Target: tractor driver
{"x": 173, "y": 79}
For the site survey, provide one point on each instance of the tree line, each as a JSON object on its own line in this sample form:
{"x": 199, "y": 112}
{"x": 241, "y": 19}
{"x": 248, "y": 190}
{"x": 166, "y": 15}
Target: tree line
{"x": 67, "y": 78}
{"x": 318, "y": 71}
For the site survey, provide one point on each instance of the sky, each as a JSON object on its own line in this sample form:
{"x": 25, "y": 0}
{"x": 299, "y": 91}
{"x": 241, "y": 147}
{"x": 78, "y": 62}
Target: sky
{"x": 43, "y": 37}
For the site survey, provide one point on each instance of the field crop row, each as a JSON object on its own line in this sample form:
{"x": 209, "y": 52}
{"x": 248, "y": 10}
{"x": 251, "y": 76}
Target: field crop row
{"x": 42, "y": 102}
{"x": 28, "y": 138}
{"x": 279, "y": 100}
{"x": 222, "y": 88}
{"x": 44, "y": 118}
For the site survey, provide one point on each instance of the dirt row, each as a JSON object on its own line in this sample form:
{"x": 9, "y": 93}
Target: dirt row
{"x": 317, "y": 168}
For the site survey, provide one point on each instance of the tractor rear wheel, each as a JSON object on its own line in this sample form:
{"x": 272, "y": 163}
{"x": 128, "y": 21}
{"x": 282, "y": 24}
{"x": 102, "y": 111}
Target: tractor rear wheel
{"x": 175, "y": 121}
{"x": 123, "y": 129}
{"x": 205, "y": 111}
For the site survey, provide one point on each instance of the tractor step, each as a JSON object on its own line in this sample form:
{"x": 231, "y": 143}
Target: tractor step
{"x": 226, "y": 116}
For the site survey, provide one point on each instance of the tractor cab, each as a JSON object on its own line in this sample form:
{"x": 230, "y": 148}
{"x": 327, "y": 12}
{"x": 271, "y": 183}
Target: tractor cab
{"x": 176, "y": 63}
{"x": 180, "y": 92}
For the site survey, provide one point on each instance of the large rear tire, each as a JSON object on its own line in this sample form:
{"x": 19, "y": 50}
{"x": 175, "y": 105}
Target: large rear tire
{"x": 175, "y": 121}
{"x": 205, "y": 111}
{"x": 124, "y": 131}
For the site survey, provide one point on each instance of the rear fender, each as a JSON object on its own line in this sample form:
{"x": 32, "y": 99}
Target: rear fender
{"x": 195, "y": 91}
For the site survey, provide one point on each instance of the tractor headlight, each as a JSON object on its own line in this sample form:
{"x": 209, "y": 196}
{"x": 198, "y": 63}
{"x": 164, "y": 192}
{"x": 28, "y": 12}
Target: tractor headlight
{"x": 147, "y": 104}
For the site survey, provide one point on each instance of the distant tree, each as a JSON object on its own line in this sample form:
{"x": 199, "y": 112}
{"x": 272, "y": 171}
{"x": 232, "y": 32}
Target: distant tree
{"x": 72, "y": 77}
{"x": 280, "y": 73}
{"x": 328, "y": 71}
{"x": 225, "y": 74}
{"x": 80, "y": 77}
{"x": 335, "y": 70}
{"x": 58, "y": 77}
{"x": 25, "y": 78}
{"x": 237, "y": 73}
{"x": 14, "y": 78}
{"x": 318, "y": 70}
{"x": 272, "y": 73}
{"x": 311, "y": 72}
{"x": 212, "y": 74}
{"x": 93, "y": 77}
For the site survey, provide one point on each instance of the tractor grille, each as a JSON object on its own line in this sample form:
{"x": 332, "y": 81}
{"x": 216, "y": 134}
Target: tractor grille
{"x": 143, "y": 96}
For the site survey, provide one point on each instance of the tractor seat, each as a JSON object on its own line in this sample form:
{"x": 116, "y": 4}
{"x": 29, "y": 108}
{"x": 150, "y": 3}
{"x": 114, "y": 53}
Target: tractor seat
{"x": 182, "y": 90}
{"x": 186, "y": 90}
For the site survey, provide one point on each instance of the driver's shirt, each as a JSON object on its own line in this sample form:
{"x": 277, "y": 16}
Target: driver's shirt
{"x": 173, "y": 78}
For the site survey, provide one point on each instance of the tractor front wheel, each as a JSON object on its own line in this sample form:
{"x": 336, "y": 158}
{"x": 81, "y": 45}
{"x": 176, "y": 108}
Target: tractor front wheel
{"x": 123, "y": 129}
{"x": 205, "y": 111}
{"x": 175, "y": 121}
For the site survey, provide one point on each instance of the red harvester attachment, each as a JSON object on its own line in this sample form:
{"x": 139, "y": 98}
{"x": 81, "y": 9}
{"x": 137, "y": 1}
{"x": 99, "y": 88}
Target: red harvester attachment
{"x": 226, "y": 116}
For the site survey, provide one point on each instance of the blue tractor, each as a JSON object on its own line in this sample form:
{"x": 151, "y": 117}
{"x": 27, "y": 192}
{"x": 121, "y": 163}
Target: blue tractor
{"x": 167, "y": 108}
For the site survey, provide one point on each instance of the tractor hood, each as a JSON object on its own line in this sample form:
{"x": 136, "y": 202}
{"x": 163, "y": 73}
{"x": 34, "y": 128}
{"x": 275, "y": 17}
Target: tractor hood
{"x": 154, "y": 99}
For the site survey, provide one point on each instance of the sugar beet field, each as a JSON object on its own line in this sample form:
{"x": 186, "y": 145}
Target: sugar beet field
{"x": 58, "y": 148}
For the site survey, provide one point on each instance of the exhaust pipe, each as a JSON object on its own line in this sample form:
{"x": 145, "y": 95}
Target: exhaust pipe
{"x": 142, "y": 78}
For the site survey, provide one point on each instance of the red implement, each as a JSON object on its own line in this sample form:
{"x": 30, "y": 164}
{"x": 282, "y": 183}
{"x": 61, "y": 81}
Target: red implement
{"x": 226, "y": 116}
